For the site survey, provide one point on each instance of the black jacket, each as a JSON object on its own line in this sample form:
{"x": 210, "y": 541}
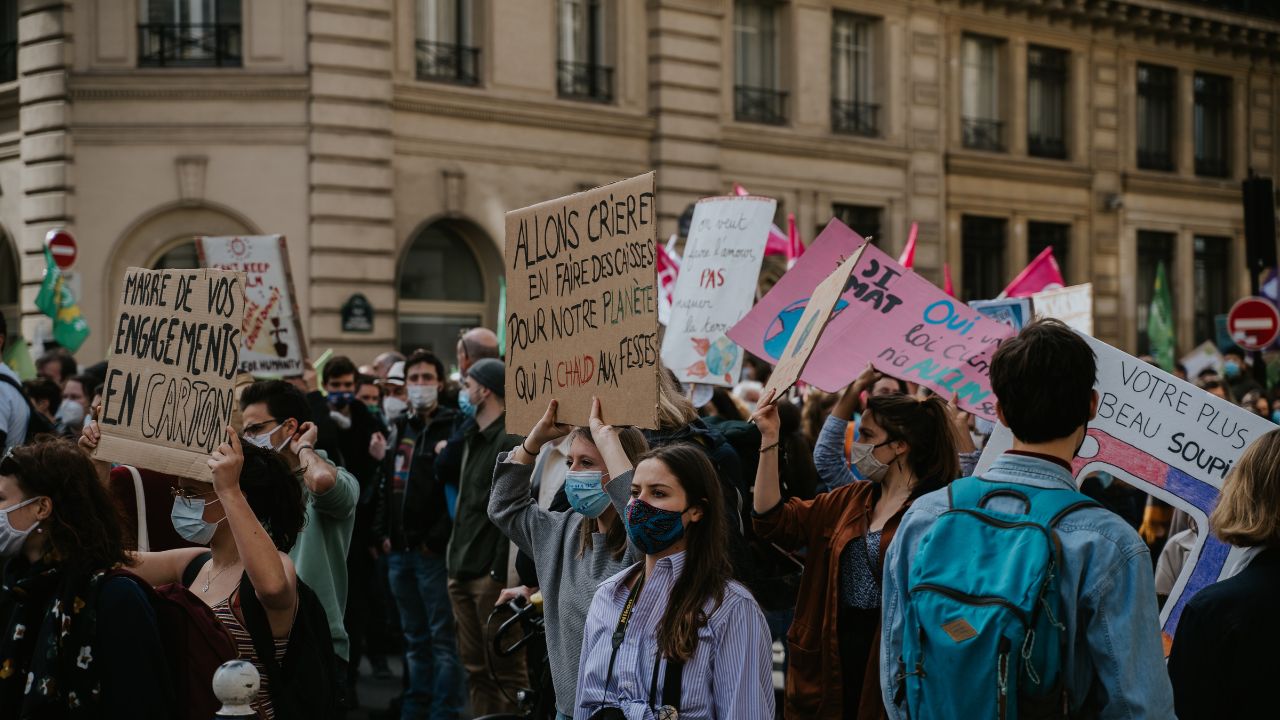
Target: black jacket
{"x": 1223, "y": 658}
{"x": 412, "y": 511}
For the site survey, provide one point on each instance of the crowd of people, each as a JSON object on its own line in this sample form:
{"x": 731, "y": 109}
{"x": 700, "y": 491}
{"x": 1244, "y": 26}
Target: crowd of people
{"x": 387, "y": 510}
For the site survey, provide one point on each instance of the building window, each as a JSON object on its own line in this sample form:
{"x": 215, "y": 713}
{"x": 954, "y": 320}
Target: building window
{"x": 1041, "y": 235}
{"x": 1157, "y": 90}
{"x": 982, "y": 243}
{"x": 863, "y": 219}
{"x": 584, "y": 71}
{"x": 189, "y": 33}
{"x": 1212, "y": 283}
{"x": 445, "y": 52}
{"x": 179, "y": 257}
{"x": 1047, "y": 74}
{"x": 8, "y": 42}
{"x": 1153, "y": 248}
{"x": 1211, "y": 121}
{"x": 757, "y": 96}
{"x": 980, "y": 85}
{"x": 854, "y": 108}
{"x": 442, "y": 291}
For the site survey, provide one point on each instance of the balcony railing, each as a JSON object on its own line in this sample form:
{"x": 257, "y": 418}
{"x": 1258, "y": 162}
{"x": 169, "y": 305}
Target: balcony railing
{"x": 759, "y": 105}
{"x": 1213, "y": 167}
{"x": 448, "y": 62}
{"x": 855, "y": 118}
{"x": 1155, "y": 159}
{"x": 1047, "y": 146}
{"x": 188, "y": 45}
{"x": 983, "y": 133}
{"x": 585, "y": 81}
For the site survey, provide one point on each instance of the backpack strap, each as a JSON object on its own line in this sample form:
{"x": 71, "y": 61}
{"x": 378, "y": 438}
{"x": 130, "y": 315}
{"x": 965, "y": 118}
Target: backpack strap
{"x": 194, "y": 567}
{"x": 140, "y": 502}
{"x": 1045, "y": 506}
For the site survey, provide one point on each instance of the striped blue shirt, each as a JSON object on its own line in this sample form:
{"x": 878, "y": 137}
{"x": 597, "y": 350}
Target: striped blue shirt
{"x": 730, "y": 675}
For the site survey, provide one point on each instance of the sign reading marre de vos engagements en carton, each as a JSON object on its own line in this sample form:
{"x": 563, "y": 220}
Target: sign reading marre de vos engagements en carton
{"x": 169, "y": 394}
{"x": 582, "y": 315}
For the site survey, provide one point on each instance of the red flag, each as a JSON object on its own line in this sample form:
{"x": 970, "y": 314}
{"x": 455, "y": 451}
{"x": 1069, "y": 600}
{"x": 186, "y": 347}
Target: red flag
{"x": 1040, "y": 274}
{"x": 908, "y": 256}
{"x": 668, "y": 270}
{"x": 795, "y": 248}
{"x": 947, "y": 287}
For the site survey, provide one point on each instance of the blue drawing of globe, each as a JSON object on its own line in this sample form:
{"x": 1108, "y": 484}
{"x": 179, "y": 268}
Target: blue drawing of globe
{"x": 778, "y": 333}
{"x": 722, "y": 356}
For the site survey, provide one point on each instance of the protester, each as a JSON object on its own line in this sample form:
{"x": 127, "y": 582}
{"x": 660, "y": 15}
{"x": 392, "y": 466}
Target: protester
{"x": 76, "y": 637}
{"x": 369, "y": 394}
{"x": 709, "y": 644}
{"x": 395, "y": 397}
{"x": 1222, "y": 662}
{"x": 475, "y": 345}
{"x": 478, "y": 552}
{"x": 77, "y": 391}
{"x": 14, "y": 410}
{"x": 277, "y": 417}
{"x": 1238, "y": 373}
{"x": 57, "y": 365}
{"x": 356, "y": 427}
{"x": 383, "y": 363}
{"x": 413, "y": 522}
{"x": 1256, "y": 402}
{"x": 1103, "y": 586}
{"x": 45, "y": 397}
{"x": 907, "y": 449}
{"x": 575, "y": 550}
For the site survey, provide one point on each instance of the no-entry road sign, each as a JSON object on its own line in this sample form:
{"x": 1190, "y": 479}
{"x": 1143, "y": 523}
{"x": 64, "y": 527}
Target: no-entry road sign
{"x": 1253, "y": 323}
{"x": 63, "y": 248}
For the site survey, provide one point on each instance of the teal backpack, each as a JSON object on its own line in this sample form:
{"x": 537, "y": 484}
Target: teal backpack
{"x": 983, "y": 635}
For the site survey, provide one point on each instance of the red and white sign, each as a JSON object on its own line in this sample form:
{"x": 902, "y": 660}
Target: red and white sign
{"x": 1253, "y": 323}
{"x": 62, "y": 246}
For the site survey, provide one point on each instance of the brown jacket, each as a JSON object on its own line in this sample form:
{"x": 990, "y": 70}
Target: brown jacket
{"x": 825, "y": 525}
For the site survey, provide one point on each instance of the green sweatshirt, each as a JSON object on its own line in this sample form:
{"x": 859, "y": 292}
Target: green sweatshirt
{"x": 477, "y": 547}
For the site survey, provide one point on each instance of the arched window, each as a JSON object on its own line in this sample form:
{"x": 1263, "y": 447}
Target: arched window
{"x": 177, "y": 257}
{"x": 443, "y": 290}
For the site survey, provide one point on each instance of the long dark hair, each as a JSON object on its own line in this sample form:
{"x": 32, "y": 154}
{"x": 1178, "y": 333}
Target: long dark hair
{"x": 706, "y": 566}
{"x": 925, "y": 425}
{"x": 634, "y": 445}
{"x": 84, "y": 529}
{"x": 274, "y": 493}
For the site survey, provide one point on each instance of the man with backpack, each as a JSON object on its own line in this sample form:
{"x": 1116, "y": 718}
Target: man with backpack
{"x": 15, "y": 412}
{"x": 1012, "y": 594}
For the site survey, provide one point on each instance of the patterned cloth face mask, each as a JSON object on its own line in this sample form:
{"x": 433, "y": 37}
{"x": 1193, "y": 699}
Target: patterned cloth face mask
{"x": 653, "y": 529}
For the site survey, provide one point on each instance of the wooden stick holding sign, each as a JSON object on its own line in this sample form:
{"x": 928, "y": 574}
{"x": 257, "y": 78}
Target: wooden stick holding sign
{"x": 817, "y": 313}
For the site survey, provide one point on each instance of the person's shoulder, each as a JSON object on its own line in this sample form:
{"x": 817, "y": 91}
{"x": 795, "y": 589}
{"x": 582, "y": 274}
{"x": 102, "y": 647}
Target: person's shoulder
{"x": 931, "y": 504}
{"x": 1095, "y": 522}
{"x": 121, "y": 591}
{"x": 736, "y": 607}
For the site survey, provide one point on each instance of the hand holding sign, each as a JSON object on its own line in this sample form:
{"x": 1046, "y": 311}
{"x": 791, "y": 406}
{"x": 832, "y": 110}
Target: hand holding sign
{"x": 225, "y": 464}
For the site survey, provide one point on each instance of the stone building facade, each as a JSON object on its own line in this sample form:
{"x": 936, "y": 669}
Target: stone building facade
{"x": 386, "y": 138}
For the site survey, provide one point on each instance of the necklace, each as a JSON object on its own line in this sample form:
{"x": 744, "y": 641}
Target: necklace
{"x": 214, "y": 576}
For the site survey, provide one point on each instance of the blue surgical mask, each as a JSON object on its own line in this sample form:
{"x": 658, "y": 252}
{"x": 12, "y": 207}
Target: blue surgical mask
{"x": 652, "y": 529}
{"x": 464, "y": 404}
{"x": 585, "y": 492}
{"x": 188, "y": 520}
{"x": 1275, "y": 416}
{"x": 1231, "y": 368}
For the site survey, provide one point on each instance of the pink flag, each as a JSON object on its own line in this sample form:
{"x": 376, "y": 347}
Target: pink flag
{"x": 947, "y": 287}
{"x": 668, "y": 269}
{"x": 1040, "y": 274}
{"x": 908, "y": 257}
{"x": 795, "y": 248}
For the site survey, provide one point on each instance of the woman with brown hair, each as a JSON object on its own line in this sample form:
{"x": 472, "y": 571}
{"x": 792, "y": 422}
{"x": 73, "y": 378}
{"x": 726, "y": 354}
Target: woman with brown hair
{"x": 75, "y": 637}
{"x": 673, "y": 632}
{"x": 907, "y": 449}
{"x": 1223, "y": 657}
{"x": 573, "y": 551}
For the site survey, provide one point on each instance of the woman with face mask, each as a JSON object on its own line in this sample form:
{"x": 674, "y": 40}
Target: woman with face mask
{"x": 75, "y": 636}
{"x": 673, "y": 634}
{"x": 573, "y": 551}
{"x": 907, "y": 448}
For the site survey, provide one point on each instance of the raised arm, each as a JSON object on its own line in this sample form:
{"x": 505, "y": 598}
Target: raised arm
{"x": 607, "y": 442}
{"x": 511, "y": 507}
{"x": 768, "y": 492}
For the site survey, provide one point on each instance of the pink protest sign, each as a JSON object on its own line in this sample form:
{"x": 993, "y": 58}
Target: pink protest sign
{"x": 888, "y": 316}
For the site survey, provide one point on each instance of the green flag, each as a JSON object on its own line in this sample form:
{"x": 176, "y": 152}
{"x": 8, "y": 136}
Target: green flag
{"x": 1160, "y": 321}
{"x": 55, "y": 300}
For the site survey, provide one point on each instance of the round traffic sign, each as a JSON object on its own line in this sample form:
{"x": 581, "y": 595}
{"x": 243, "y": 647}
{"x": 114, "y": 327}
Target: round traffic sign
{"x": 62, "y": 246}
{"x": 1254, "y": 323}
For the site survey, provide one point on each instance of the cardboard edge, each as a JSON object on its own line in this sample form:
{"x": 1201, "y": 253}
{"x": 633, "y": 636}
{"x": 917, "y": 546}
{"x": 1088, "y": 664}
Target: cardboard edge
{"x": 126, "y": 451}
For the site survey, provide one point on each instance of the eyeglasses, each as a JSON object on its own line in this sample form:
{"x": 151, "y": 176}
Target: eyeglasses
{"x": 257, "y": 428}
{"x": 186, "y": 495}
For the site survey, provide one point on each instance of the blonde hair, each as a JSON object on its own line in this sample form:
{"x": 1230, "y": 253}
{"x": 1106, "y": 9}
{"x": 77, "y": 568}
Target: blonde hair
{"x": 1248, "y": 512}
{"x": 674, "y": 409}
{"x": 635, "y": 446}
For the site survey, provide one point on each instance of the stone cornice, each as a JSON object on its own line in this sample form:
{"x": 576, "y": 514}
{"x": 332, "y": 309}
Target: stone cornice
{"x": 556, "y": 115}
{"x": 1177, "y": 186}
{"x": 184, "y": 85}
{"x": 1007, "y": 167}
{"x": 841, "y": 148}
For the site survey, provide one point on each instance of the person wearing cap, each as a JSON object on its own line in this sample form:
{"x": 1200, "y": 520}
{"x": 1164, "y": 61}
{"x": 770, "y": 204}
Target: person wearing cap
{"x": 412, "y": 520}
{"x": 477, "y": 548}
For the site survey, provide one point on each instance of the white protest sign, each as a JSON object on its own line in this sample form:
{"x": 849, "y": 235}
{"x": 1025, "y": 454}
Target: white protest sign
{"x": 1167, "y": 438}
{"x": 716, "y": 287}
{"x": 1014, "y": 312}
{"x": 1072, "y": 305}
{"x": 1204, "y": 357}
{"x": 274, "y": 345}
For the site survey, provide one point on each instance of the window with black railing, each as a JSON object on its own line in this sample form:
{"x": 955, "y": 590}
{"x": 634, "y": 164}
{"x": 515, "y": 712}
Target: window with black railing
{"x": 982, "y": 119}
{"x": 854, "y": 109}
{"x": 757, "y": 94}
{"x": 1047, "y": 76}
{"x": 1157, "y": 93}
{"x": 583, "y": 71}
{"x": 1210, "y": 120}
{"x": 866, "y": 220}
{"x": 982, "y": 249}
{"x": 9, "y": 42}
{"x": 190, "y": 33}
{"x": 443, "y": 51}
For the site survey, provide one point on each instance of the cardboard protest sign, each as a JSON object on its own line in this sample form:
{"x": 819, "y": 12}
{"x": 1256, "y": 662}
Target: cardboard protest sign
{"x": 1167, "y": 438}
{"x": 1014, "y": 312}
{"x": 1072, "y": 305}
{"x": 1204, "y": 357}
{"x": 274, "y": 345}
{"x": 891, "y": 317}
{"x": 582, "y": 306}
{"x": 715, "y": 288}
{"x": 175, "y": 353}
{"x": 814, "y": 320}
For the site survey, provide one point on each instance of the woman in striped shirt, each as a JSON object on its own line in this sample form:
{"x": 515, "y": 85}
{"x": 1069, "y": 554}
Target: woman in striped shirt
{"x": 673, "y": 632}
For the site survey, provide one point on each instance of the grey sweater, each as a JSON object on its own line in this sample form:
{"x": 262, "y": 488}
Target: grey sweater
{"x": 568, "y": 581}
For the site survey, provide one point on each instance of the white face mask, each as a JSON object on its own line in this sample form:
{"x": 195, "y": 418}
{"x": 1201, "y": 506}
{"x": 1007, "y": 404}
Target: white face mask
{"x": 264, "y": 441}
{"x": 70, "y": 413}
{"x": 394, "y": 408}
{"x": 423, "y": 397}
{"x": 864, "y": 462}
{"x": 11, "y": 538}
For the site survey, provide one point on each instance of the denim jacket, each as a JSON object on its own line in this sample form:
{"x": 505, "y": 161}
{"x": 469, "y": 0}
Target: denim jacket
{"x": 1115, "y": 657}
